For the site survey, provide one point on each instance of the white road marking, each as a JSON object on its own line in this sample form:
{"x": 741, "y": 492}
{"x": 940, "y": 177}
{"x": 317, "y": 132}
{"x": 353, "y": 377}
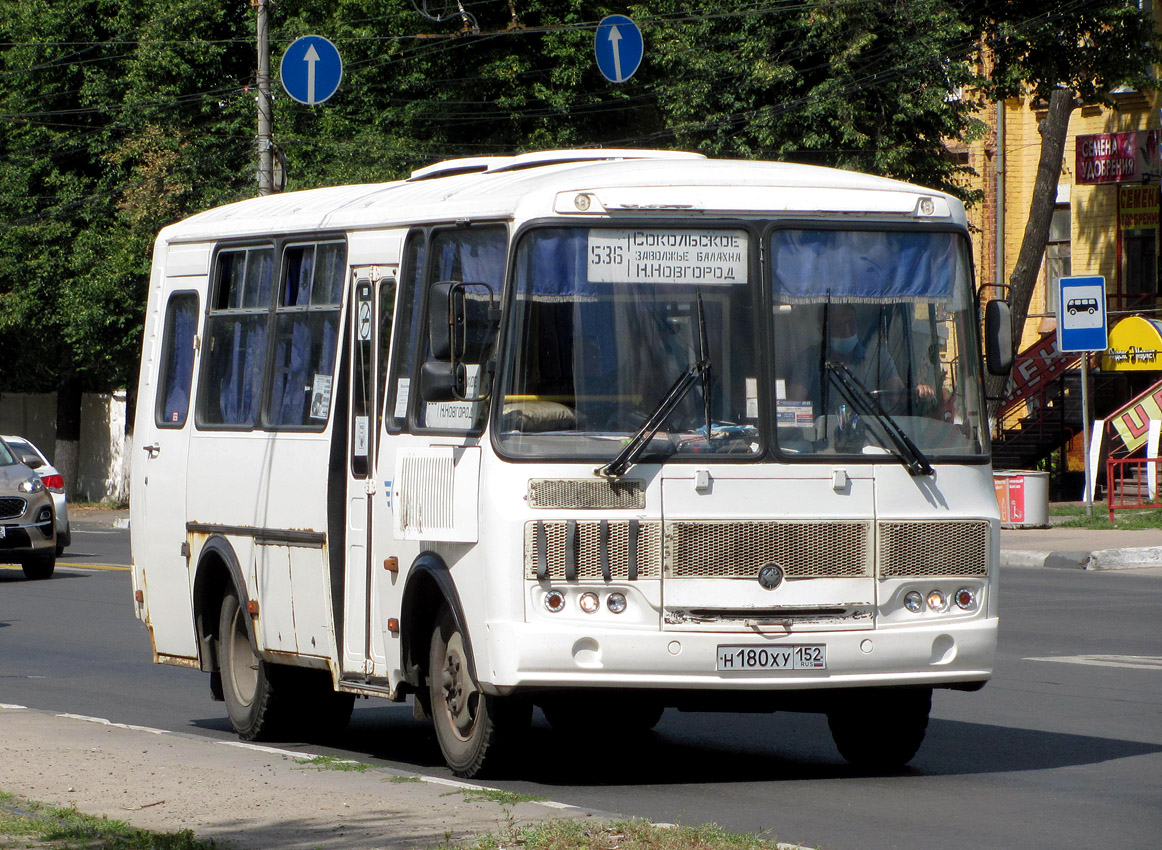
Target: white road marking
{"x": 1138, "y": 662}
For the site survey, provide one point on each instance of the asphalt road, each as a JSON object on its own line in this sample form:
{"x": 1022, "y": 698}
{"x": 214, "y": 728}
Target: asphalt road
{"x": 1055, "y": 753}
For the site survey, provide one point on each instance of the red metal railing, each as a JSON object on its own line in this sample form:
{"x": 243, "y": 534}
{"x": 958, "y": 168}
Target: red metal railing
{"x": 1129, "y": 485}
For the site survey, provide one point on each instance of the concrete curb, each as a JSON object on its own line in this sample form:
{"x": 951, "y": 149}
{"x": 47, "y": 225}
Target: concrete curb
{"x": 1099, "y": 559}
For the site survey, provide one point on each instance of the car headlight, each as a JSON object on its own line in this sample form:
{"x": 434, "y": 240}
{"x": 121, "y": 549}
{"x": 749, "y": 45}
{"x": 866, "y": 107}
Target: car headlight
{"x": 30, "y": 485}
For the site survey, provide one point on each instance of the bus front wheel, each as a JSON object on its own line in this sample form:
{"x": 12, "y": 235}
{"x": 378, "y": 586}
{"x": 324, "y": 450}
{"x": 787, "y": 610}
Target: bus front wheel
{"x": 880, "y": 730}
{"x": 471, "y": 726}
{"x": 250, "y": 696}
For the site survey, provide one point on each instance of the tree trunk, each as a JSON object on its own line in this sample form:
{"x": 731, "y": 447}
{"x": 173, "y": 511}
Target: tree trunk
{"x": 1023, "y": 280}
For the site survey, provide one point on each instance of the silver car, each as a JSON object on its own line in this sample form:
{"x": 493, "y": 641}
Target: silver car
{"x": 54, "y": 482}
{"x": 27, "y": 526}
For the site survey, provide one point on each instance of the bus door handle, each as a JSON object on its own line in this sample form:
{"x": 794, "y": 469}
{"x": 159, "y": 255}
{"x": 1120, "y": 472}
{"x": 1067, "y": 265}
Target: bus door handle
{"x": 152, "y": 449}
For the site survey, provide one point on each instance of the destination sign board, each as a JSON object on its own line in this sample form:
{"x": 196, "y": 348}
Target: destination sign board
{"x": 668, "y": 256}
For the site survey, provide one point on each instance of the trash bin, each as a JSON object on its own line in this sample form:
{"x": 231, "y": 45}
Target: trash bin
{"x": 1023, "y": 498}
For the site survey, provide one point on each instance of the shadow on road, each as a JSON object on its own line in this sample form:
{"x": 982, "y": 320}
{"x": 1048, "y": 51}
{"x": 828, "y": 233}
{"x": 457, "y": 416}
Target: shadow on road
{"x": 714, "y": 748}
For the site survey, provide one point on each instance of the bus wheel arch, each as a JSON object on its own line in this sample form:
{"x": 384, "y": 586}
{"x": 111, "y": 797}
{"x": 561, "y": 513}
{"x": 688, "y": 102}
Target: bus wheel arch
{"x": 428, "y": 590}
{"x": 218, "y": 571}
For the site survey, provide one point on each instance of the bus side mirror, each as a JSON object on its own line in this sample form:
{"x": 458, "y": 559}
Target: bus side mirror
{"x": 998, "y": 337}
{"x": 443, "y": 381}
{"x": 445, "y": 319}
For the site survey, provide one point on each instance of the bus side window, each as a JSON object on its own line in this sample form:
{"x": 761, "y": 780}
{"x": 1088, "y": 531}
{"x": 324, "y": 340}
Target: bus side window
{"x": 408, "y": 335}
{"x": 476, "y": 256}
{"x": 177, "y": 361}
{"x": 386, "y": 315}
{"x": 236, "y": 331}
{"x": 306, "y": 336}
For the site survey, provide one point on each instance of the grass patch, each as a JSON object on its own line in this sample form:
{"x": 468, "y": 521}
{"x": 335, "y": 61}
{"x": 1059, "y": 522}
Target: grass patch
{"x": 495, "y": 795}
{"x": 24, "y": 823}
{"x": 1125, "y": 519}
{"x": 333, "y": 763}
{"x": 620, "y": 835}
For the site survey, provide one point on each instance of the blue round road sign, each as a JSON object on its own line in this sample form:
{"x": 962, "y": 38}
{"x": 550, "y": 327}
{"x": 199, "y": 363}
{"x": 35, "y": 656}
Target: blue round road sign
{"x": 311, "y": 69}
{"x": 619, "y": 48}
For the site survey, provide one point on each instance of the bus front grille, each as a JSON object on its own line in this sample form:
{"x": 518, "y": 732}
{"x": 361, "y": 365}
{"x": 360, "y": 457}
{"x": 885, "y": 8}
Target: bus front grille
{"x": 738, "y": 549}
{"x": 616, "y": 550}
{"x": 943, "y": 548}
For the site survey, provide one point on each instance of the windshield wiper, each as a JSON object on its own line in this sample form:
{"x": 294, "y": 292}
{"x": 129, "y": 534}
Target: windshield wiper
{"x": 638, "y": 442}
{"x": 864, "y": 401}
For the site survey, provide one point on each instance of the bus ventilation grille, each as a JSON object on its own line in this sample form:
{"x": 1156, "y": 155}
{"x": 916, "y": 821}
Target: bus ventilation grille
{"x": 586, "y": 493}
{"x": 951, "y": 548}
{"x": 808, "y": 549}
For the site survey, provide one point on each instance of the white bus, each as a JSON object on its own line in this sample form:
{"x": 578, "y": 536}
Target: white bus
{"x": 599, "y": 432}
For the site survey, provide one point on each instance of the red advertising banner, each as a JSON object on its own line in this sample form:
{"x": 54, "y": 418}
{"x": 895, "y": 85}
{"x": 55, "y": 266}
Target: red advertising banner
{"x": 1117, "y": 157}
{"x": 1034, "y": 367}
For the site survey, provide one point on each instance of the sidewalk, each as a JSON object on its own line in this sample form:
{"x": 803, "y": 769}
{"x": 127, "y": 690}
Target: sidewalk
{"x": 247, "y": 795}
{"x": 1081, "y": 548}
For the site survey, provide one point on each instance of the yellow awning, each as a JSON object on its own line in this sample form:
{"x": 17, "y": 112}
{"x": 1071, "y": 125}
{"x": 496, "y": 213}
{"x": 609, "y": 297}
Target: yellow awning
{"x": 1135, "y": 345}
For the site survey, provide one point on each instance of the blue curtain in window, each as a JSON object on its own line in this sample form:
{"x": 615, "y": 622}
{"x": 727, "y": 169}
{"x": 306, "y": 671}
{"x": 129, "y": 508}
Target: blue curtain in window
{"x": 863, "y": 265}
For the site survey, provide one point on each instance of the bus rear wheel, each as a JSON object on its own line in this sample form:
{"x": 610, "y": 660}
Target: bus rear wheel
{"x": 251, "y": 697}
{"x": 881, "y": 729}
{"x": 472, "y": 727}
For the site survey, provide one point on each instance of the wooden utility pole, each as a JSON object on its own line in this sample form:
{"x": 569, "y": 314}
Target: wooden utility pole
{"x": 264, "y": 140}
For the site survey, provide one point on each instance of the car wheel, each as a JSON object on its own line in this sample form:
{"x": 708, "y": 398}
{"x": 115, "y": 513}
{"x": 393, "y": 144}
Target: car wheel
{"x": 472, "y": 727}
{"x": 248, "y": 683}
{"x": 38, "y": 567}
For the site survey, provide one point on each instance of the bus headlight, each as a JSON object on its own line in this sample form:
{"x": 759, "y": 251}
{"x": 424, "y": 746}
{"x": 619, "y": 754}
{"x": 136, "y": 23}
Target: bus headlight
{"x": 616, "y": 603}
{"x": 937, "y": 601}
{"x": 965, "y": 598}
{"x": 913, "y": 601}
{"x": 589, "y": 602}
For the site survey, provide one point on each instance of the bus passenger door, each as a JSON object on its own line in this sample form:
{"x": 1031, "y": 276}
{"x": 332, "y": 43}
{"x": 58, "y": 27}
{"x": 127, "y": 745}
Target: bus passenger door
{"x": 362, "y": 644}
{"x": 163, "y": 444}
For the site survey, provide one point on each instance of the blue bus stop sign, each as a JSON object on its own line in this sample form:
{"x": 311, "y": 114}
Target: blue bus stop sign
{"x": 619, "y": 48}
{"x": 1081, "y": 314}
{"x": 311, "y": 69}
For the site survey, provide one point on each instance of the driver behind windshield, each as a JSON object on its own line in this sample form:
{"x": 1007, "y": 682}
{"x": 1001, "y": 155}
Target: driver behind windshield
{"x": 852, "y": 341}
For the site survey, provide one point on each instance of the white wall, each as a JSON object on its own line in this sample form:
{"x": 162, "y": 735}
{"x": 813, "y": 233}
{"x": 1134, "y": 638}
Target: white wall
{"x": 103, "y": 454}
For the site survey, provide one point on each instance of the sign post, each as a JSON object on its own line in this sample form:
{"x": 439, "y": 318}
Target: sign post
{"x": 1081, "y": 327}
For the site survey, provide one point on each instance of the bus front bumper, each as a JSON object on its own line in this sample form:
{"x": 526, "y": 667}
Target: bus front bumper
{"x": 521, "y": 656}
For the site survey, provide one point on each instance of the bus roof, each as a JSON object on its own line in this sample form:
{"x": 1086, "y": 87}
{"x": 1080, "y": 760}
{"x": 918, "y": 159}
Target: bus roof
{"x": 547, "y": 183}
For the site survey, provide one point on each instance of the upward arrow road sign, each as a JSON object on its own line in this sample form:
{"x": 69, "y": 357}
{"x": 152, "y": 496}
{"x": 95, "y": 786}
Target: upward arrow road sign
{"x": 619, "y": 48}
{"x": 311, "y": 69}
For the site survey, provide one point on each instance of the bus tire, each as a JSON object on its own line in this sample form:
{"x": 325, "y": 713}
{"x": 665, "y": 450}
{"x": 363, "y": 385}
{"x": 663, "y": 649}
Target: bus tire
{"x": 880, "y": 730}
{"x": 247, "y": 687}
{"x": 471, "y": 726}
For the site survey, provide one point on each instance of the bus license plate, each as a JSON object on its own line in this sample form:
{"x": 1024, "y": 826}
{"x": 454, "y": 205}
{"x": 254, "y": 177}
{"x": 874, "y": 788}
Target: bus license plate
{"x": 788, "y": 657}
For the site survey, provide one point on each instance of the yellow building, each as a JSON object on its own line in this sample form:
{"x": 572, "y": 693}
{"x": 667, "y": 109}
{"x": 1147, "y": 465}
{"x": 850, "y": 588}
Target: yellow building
{"x": 1105, "y": 222}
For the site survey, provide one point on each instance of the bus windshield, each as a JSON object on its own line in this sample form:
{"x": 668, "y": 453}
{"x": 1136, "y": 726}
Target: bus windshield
{"x": 605, "y": 320}
{"x": 875, "y": 331}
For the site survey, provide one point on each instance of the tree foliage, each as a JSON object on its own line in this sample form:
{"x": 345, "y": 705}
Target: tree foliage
{"x": 118, "y": 117}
